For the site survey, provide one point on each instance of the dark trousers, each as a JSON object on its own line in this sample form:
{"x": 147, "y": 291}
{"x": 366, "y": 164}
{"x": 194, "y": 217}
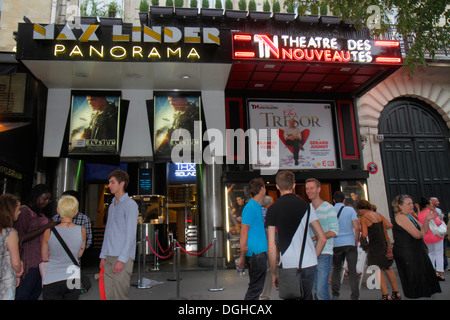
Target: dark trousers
{"x": 257, "y": 267}
{"x": 295, "y": 146}
{"x": 59, "y": 291}
{"x": 339, "y": 255}
{"x": 30, "y": 287}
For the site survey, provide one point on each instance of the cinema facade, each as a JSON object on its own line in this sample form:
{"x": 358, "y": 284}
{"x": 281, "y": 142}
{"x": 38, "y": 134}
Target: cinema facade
{"x": 245, "y": 80}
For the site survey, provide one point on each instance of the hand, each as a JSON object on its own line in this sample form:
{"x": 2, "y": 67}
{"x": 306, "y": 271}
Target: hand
{"x": 118, "y": 266}
{"x": 241, "y": 264}
{"x": 102, "y": 263}
{"x": 52, "y": 223}
{"x": 275, "y": 282}
{"x": 431, "y": 215}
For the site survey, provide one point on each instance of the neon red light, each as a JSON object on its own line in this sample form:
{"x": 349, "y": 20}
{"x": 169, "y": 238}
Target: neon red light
{"x": 271, "y": 45}
{"x": 386, "y": 43}
{"x": 388, "y": 60}
{"x": 242, "y": 37}
{"x": 244, "y": 54}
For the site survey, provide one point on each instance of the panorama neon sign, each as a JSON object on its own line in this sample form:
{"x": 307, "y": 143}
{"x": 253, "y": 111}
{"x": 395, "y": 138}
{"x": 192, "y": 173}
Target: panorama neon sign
{"x": 139, "y": 43}
{"x": 314, "y": 49}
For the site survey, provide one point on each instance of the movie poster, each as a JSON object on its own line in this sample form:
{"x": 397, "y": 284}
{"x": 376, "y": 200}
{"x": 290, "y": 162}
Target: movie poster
{"x": 94, "y": 123}
{"x": 174, "y": 112}
{"x": 237, "y": 198}
{"x": 305, "y": 138}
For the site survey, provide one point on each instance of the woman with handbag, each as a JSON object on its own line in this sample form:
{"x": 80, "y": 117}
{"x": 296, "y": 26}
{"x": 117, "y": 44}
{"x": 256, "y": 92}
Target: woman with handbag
{"x": 373, "y": 226}
{"x": 61, "y": 247}
{"x": 416, "y": 272}
{"x": 434, "y": 242}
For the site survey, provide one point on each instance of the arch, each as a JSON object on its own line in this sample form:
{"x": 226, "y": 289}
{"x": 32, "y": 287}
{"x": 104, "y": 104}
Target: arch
{"x": 402, "y": 84}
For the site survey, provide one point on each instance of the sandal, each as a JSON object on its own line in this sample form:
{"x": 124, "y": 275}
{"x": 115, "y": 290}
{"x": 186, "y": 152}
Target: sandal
{"x": 440, "y": 277}
{"x": 396, "y": 296}
{"x": 385, "y": 297}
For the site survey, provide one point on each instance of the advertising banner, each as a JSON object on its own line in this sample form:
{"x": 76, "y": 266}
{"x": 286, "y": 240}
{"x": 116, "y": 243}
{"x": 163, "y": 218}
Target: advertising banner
{"x": 94, "y": 123}
{"x": 305, "y": 138}
{"x": 173, "y": 112}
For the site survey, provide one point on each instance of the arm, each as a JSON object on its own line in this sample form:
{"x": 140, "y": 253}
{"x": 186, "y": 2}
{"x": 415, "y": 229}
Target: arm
{"x": 12, "y": 244}
{"x": 272, "y": 248}
{"x": 364, "y": 228}
{"x": 357, "y": 230}
{"x": 45, "y": 253}
{"x": 321, "y": 239}
{"x": 243, "y": 243}
{"x": 132, "y": 214}
{"x": 409, "y": 227}
{"x": 83, "y": 246}
{"x": 386, "y": 223}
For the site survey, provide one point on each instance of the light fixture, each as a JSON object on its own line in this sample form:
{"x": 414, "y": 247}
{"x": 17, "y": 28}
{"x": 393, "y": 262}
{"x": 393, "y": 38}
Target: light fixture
{"x": 185, "y": 76}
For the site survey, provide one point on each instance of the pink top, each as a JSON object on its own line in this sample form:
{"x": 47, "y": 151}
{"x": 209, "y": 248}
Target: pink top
{"x": 430, "y": 237}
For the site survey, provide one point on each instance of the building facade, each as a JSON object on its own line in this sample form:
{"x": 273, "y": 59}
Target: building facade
{"x": 358, "y": 112}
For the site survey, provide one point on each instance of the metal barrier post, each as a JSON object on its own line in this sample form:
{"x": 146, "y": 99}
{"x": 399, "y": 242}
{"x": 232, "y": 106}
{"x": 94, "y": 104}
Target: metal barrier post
{"x": 139, "y": 264}
{"x": 174, "y": 261}
{"x": 178, "y": 276}
{"x": 155, "y": 258}
{"x": 142, "y": 251}
{"x": 216, "y": 288}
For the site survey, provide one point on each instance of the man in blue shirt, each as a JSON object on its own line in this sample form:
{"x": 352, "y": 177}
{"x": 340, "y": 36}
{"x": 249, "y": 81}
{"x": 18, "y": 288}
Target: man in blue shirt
{"x": 345, "y": 246}
{"x": 119, "y": 243}
{"x": 253, "y": 241}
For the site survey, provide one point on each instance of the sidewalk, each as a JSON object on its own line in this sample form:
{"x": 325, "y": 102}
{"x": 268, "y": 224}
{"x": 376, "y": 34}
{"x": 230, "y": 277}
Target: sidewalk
{"x": 196, "y": 282}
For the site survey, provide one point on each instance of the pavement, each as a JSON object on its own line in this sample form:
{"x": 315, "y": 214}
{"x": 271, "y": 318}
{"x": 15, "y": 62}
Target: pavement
{"x": 208, "y": 284}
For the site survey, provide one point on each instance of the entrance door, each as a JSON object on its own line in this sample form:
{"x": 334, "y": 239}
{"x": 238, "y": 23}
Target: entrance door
{"x": 183, "y": 216}
{"x": 415, "y": 151}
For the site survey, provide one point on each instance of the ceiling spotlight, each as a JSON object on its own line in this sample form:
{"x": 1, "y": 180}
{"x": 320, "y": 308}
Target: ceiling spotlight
{"x": 185, "y": 76}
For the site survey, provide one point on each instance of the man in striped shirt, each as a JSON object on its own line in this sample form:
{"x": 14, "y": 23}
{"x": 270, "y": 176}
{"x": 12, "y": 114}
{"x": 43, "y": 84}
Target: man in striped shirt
{"x": 328, "y": 220}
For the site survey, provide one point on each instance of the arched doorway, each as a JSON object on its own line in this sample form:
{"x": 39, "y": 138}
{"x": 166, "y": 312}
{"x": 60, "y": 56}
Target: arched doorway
{"x": 415, "y": 151}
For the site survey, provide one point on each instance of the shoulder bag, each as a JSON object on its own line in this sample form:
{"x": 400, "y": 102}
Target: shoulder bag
{"x": 440, "y": 231}
{"x": 290, "y": 280}
{"x": 85, "y": 281}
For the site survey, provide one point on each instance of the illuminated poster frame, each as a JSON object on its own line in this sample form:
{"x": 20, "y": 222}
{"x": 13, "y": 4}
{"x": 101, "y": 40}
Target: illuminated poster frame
{"x": 312, "y": 133}
{"x": 174, "y": 111}
{"x": 94, "y": 123}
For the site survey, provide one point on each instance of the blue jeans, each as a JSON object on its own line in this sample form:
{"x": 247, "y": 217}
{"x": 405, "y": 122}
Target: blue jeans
{"x": 308, "y": 279}
{"x": 257, "y": 267}
{"x": 321, "y": 284}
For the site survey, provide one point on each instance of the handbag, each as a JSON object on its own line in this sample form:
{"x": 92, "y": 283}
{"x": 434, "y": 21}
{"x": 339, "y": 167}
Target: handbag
{"x": 290, "y": 280}
{"x": 440, "y": 231}
{"x": 84, "y": 279}
{"x": 390, "y": 251}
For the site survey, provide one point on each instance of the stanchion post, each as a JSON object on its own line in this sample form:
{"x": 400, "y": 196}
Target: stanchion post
{"x": 216, "y": 288}
{"x": 155, "y": 258}
{"x": 174, "y": 261}
{"x": 139, "y": 264}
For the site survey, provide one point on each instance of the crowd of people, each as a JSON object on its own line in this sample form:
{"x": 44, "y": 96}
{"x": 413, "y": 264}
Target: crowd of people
{"x": 331, "y": 236}
{"x": 40, "y": 255}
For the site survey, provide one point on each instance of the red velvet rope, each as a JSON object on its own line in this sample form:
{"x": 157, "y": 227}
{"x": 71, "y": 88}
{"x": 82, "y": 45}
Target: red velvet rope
{"x": 160, "y": 248}
{"x": 151, "y": 248}
{"x": 194, "y": 254}
{"x": 178, "y": 244}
